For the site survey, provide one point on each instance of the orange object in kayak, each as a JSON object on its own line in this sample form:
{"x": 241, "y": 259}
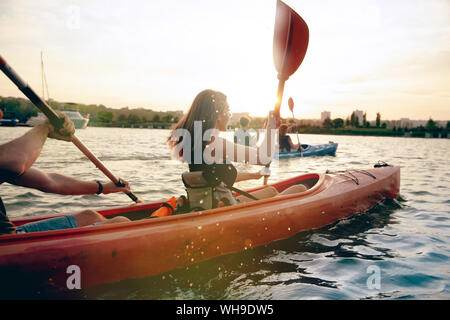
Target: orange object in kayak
{"x": 113, "y": 252}
{"x": 167, "y": 208}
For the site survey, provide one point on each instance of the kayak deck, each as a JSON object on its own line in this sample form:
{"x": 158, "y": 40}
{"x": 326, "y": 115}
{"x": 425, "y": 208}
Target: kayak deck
{"x": 310, "y": 150}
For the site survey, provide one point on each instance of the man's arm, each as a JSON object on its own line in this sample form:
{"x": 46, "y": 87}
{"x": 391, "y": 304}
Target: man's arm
{"x": 294, "y": 146}
{"x": 243, "y": 176}
{"x": 19, "y": 154}
{"x": 60, "y": 184}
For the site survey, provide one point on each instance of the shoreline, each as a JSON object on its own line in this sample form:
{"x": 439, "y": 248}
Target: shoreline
{"x": 373, "y": 132}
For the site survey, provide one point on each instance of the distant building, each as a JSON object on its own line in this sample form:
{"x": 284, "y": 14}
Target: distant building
{"x": 324, "y": 115}
{"x": 360, "y": 115}
{"x": 405, "y": 122}
{"x": 309, "y": 122}
{"x": 416, "y": 123}
{"x": 177, "y": 113}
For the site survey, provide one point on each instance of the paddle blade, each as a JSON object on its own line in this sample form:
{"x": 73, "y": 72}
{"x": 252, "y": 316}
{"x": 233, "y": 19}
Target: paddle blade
{"x": 290, "y": 41}
{"x": 291, "y": 104}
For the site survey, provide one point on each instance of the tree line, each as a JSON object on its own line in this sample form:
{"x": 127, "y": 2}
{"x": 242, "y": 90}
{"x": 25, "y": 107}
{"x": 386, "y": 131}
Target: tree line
{"x": 99, "y": 115}
{"x": 352, "y": 123}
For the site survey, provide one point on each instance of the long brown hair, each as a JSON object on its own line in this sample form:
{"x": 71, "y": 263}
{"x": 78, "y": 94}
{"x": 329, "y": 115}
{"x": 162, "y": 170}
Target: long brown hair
{"x": 206, "y": 107}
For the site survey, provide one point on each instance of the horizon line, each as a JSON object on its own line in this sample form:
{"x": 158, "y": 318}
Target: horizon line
{"x": 255, "y": 116}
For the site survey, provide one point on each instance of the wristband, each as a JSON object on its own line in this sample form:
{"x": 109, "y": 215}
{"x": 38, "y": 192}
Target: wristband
{"x": 100, "y": 187}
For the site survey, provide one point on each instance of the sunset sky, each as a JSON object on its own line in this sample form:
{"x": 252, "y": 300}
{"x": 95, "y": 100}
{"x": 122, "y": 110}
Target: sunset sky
{"x": 391, "y": 57}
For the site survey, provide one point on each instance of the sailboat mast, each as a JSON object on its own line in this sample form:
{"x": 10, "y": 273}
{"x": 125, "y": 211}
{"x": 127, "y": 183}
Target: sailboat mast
{"x": 42, "y": 77}
{"x": 44, "y": 80}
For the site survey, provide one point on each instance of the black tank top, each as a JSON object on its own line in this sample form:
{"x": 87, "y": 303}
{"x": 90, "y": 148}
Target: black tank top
{"x": 285, "y": 146}
{"x": 216, "y": 173}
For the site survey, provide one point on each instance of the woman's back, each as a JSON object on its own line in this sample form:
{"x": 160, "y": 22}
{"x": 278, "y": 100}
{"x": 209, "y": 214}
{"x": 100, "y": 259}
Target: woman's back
{"x": 284, "y": 143}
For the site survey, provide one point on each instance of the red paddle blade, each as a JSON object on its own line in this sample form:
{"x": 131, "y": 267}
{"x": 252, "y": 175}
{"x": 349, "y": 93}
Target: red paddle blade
{"x": 290, "y": 41}
{"x": 291, "y": 104}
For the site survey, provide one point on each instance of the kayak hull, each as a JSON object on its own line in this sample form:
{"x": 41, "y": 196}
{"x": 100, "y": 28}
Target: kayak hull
{"x": 114, "y": 252}
{"x": 326, "y": 149}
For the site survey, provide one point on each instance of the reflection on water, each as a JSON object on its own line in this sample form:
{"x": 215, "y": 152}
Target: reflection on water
{"x": 407, "y": 238}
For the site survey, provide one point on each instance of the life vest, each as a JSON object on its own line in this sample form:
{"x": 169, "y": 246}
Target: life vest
{"x": 206, "y": 185}
{"x": 166, "y": 209}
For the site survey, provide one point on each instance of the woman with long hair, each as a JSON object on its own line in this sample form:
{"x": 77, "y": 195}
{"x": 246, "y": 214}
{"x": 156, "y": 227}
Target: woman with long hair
{"x": 195, "y": 140}
{"x": 285, "y": 142}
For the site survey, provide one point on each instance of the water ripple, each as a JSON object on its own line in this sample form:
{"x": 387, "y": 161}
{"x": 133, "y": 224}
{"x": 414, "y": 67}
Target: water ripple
{"x": 406, "y": 239}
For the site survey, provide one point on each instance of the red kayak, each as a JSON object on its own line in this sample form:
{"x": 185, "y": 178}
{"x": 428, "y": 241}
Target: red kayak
{"x": 145, "y": 247}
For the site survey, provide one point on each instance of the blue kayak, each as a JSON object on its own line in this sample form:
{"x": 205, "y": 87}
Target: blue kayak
{"x": 310, "y": 150}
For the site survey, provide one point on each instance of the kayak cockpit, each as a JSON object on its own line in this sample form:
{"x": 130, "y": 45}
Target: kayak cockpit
{"x": 308, "y": 180}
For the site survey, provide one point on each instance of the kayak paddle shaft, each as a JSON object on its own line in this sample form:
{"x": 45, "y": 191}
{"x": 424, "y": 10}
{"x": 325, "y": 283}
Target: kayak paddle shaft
{"x": 290, "y": 42}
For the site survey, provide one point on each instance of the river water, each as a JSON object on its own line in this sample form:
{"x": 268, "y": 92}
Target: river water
{"x": 397, "y": 250}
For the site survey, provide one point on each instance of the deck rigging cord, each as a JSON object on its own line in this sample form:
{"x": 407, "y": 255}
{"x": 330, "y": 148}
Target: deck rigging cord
{"x": 349, "y": 173}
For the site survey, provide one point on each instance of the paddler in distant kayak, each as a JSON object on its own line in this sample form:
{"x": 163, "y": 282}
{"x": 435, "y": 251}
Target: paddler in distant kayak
{"x": 210, "y": 113}
{"x": 16, "y": 159}
{"x": 285, "y": 141}
{"x": 242, "y": 135}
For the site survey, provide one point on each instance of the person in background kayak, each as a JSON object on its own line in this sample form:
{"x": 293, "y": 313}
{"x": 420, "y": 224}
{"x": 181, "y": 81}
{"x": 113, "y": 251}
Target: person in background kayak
{"x": 241, "y": 135}
{"x": 285, "y": 141}
{"x": 16, "y": 159}
{"x": 211, "y": 109}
